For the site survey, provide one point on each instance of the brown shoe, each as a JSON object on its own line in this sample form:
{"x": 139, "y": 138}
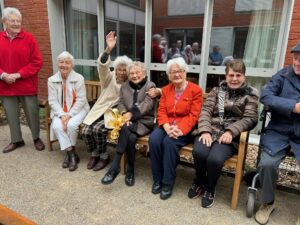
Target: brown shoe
{"x": 39, "y": 145}
{"x": 13, "y": 146}
{"x": 101, "y": 164}
{"x": 92, "y": 163}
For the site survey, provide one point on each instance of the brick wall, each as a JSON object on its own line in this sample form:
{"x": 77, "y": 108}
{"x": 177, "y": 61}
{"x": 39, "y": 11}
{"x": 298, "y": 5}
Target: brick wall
{"x": 294, "y": 36}
{"x": 35, "y": 21}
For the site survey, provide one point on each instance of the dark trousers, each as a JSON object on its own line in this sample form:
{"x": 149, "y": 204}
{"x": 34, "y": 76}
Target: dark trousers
{"x": 31, "y": 108}
{"x": 126, "y": 144}
{"x": 209, "y": 161}
{"x": 164, "y": 154}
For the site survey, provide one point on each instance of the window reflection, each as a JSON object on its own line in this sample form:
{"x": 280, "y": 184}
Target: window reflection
{"x": 250, "y": 31}
{"x": 180, "y": 27}
{"x": 88, "y": 72}
{"x": 127, "y": 18}
{"x": 82, "y": 29}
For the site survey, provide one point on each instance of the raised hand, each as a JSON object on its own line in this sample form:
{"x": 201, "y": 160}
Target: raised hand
{"x": 111, "y": 41}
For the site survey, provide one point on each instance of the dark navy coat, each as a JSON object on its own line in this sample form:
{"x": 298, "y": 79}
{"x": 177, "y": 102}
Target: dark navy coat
{"x": 281, "y": 94}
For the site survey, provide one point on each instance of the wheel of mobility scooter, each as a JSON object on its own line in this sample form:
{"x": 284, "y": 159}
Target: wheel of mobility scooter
{"x": 250, "y": 202}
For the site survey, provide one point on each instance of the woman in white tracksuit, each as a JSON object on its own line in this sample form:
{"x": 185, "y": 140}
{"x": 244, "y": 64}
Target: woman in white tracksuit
{"x": 69, "y": 106}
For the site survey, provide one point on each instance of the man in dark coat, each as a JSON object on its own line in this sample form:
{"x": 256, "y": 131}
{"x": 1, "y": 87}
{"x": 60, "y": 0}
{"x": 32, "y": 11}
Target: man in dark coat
{"x": 282, "y": 96}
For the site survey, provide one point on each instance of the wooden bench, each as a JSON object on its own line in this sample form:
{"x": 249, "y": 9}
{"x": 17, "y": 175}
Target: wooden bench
{"x": 235, "y": 163}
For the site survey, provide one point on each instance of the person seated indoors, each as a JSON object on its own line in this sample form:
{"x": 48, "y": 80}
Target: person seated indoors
{"x": 228, "y": 110}
{"x": 215, "y": 56}
{"x": 137, "y": 107}
{"x": 187, "y": 54}
{"x": 178, "y": 111}
{"x": 68, "y": 103}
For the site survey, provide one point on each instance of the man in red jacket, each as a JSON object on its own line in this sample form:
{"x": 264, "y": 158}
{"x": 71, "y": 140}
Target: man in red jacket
{"x": 20, "y": 62}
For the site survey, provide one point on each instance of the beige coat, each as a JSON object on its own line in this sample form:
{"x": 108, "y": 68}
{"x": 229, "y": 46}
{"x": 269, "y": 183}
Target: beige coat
{"x": 109, "y": 92}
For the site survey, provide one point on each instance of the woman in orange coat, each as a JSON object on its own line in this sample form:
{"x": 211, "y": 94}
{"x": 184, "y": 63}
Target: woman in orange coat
{"x": 178, "y": 111}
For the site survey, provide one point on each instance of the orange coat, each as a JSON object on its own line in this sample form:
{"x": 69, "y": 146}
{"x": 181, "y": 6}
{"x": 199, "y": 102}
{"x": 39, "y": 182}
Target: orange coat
{"x": 185, "y": 112}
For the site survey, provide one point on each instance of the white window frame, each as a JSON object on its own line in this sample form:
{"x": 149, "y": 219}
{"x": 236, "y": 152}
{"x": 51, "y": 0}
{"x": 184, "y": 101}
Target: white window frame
{"x": 58, "y": 42}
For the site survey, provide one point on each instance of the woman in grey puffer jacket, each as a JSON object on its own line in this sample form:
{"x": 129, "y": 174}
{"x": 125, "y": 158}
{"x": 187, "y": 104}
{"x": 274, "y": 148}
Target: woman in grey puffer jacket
{"x": 228, "y": 110}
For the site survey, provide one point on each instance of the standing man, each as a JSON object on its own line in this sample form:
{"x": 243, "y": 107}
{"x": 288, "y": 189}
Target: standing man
{"x": 20, "y": 62}
{"x": 282, "y": 95}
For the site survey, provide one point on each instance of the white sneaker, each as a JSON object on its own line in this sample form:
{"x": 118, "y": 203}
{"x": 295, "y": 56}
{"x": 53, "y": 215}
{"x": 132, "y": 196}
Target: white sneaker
{"x": 264, "y": 212}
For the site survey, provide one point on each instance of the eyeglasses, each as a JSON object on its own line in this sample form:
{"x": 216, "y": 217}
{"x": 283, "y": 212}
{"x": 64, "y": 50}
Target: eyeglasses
{"x": 173, "y": 72}
{"x": 16, "y": 21}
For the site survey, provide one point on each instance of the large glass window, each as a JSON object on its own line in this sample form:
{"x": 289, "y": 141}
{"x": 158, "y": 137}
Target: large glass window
{"x": 82, "y": 28}
{"x": 125, "y": 17}
{"x": 176, "y": 32}
{"x": 128, "y": 20}
{"x": 247, "y": 29}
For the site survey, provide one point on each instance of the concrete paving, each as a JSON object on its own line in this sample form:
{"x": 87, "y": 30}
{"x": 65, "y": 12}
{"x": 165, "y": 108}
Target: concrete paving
{"x": 34, "y": 185}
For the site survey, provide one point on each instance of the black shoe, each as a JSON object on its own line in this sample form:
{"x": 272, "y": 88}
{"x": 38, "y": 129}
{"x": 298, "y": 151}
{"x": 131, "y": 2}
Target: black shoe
{"x": 156, "y": 187}
{"x": 166, "y": 192}
{"x": 208, "y": 199}
{"x": 129, "y": 179}
{"x": 109, "y": 176}
{"x": 73, "y": 160}
{"x": 66, "y": 161}
{"x": 194, "y": 191}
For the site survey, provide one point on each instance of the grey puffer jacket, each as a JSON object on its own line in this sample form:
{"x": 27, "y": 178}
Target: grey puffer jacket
{"x": 240, "y": 112}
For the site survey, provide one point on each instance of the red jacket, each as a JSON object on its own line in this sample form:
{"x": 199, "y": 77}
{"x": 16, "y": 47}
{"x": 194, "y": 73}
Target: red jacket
{"x": 185, "y": 112}
{"x": 21, "y": 55}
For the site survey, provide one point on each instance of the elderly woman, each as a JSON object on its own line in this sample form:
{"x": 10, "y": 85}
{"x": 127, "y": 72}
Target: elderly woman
{"x": 228, "y": 110}
{"x": 137, "y": 108}
{"x": 69, "y": 106}
{"x": 178, "y": 111}
{"x": 94, "y": 132}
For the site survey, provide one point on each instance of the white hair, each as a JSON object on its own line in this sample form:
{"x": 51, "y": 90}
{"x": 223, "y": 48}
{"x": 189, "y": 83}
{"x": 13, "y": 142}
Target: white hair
{"x": 9, "y": 11}
{"x": 137, "y": 64}
{"x": 121, "y": 60}
{"x": 179, "y": 62}
{"x": 65, "y": 55}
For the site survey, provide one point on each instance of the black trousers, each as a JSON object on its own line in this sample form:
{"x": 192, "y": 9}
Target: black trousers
{"x": 127, "y": 141}
{"x": 209, "y": 161}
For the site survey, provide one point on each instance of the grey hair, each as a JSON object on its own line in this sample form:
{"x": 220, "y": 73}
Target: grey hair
{"x": 177, "y": 61}
{"x": 187, "y": 47}
{"x": 9, "y": 11}
{"x": 121, "y": 60}
{"x": 137, "y": 64}
{"x": 65, "y": 55}
{"x": 156, "y": 37}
